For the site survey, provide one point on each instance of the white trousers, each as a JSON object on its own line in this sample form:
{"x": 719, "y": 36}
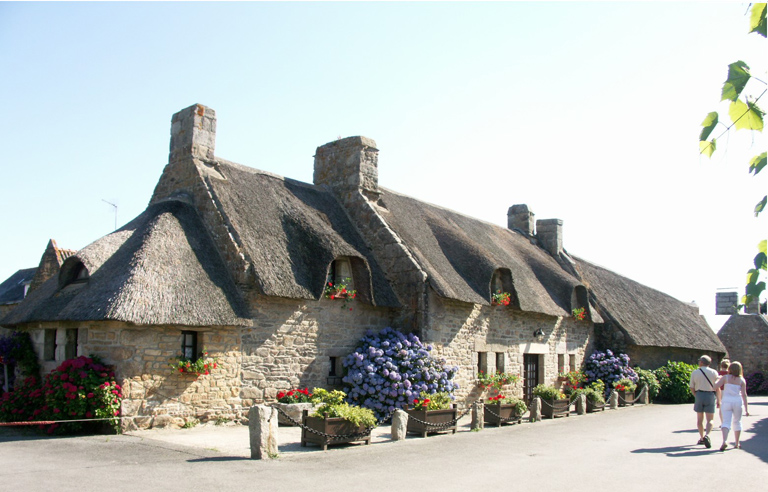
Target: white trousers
{"x": 731, "y": 411}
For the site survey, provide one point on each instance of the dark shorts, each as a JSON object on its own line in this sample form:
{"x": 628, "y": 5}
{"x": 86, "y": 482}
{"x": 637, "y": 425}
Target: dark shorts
{"x": 705, "y": 402}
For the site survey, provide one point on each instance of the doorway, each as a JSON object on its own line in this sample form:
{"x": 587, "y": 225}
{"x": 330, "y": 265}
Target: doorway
{"x": 530, "y": 375}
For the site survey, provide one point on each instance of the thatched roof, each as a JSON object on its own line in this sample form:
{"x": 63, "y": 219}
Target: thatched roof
{"x": 291, "y": 232}
{"x": 460, "y": 255}
{"x": 12, "y": 289}
{"x": 161, "y": 268}
{"x": 647, "y": 317}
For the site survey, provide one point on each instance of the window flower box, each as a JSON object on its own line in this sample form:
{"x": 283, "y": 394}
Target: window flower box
{"x": 332, "y": 426}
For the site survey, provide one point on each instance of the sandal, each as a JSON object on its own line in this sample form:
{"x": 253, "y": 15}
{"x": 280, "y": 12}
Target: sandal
{"x": 723, "y": 447}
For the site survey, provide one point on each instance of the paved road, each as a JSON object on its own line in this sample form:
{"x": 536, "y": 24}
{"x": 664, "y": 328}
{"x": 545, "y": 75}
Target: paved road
{"x": 633, "y": 449}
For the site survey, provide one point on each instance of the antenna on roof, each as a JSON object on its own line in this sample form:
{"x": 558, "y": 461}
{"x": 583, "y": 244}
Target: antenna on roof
{"x": 115, "y": 206}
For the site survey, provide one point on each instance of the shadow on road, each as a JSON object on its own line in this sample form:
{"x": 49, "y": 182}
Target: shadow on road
{"x": 214, "y": 459}
{"x": 677, "y": 451}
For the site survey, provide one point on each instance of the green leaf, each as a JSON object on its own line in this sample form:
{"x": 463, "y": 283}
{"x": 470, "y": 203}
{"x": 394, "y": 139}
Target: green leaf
{"x": 709, "y": 124}
{"x": 746, "y": 116}
{"x": 760, "y": 261}
{"x": 762, "y": 246}
{"x": 738, "y": 76}
{"x": 707, "y": 147}
{"x": 752, "y": 276}
{"x": 757, "y": 19}
{"x": 754, "y": 290}
{"x": 757, "y": 163}
{"x": 761, "y": 205}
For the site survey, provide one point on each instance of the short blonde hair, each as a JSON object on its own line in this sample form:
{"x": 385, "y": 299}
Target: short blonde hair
{"x": 724, "y": 364}
{"x": 735, "y": 369}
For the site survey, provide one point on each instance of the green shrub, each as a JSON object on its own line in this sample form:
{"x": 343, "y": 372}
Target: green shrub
{"x": 433, "y": 401}
{"x": 332, "y": 404}
{"x": 548, "y": 392}
{"x": 648, "y": 378}
{"x": 625, "y": 385}
{"x": 593, "y": 395}
{"x": 674, "y": 379}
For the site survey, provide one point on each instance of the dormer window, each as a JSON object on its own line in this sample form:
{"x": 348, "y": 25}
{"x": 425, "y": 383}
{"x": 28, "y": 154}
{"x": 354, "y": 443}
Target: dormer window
{"x": 341, "y": 273}
{"x": 73, "y": 272}
{"x": 502, "y": 290}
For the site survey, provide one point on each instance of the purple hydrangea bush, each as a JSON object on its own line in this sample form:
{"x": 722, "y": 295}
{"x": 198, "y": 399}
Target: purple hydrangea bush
{"x": 389, "y": 369}
{"x": 609, "y": 368}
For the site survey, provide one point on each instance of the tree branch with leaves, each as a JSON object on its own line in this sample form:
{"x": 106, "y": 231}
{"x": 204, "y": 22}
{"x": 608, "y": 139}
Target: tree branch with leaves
{"x": 744, "y": 114}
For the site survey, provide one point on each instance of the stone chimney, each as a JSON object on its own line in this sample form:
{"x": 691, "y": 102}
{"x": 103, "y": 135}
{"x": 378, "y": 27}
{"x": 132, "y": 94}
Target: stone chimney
{"x": 50, "y": 263}
{"x": 549, "y": 232}
{"x": 348, "y": 165}
{"x": 193, "y": 133}
{"x": 520, "y": 217}
{"x": 753, "y": 307}
{"x": 726, "y": 303}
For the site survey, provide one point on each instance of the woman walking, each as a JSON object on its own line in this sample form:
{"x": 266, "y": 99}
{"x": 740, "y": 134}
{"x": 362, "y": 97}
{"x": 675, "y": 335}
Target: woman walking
{"x": 734, "y": 390}
{"x": 722, "y": 371}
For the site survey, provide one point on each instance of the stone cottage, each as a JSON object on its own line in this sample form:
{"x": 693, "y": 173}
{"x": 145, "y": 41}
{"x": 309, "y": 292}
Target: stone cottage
{"x": 745, "y": 335}
{"x": 237, "y": 261}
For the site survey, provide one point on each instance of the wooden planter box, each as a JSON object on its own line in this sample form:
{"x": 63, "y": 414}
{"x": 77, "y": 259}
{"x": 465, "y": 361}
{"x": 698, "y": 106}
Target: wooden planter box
{"x": 626, "y": 398}
{"x": 493, "y": 412}
{"x": 294, "y": 410}
{"x": 595, "y": 407}
{"x": 332, "y": 426}
{"x": 555, "y": 408}
{"x": 432, "y": 417}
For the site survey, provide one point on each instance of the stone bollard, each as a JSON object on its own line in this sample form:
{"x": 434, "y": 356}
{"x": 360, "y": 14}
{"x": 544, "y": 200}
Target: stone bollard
{"x": 399, "y": 425}
{"x": 581, "y": 404}
{"x": 535, "y": 414}
{"x": 645, "y": 395}
{"x": 262, "y": 427}
{"x": 614, "y": 400}
{"x": 478, "y": 416}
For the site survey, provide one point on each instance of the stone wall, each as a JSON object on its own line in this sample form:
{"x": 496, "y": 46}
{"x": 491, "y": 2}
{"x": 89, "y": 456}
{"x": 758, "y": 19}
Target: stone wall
{"x": 290, "y": 345}
{"x": 459, "y": 331}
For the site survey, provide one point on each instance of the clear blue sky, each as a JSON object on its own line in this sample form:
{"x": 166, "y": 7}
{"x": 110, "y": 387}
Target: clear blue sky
{"x": 588, "y": 112}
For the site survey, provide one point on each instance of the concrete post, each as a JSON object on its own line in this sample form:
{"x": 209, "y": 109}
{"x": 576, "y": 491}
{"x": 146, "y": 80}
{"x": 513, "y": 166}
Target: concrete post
{"x": 478, "y": 415}
{"x": 262, "y": 427}
{"x": 399, "y": 425}
{"x": 581, "y": 404}
{"x": 645, "y": 397}
{"x": 614, "y": 400}
{"x": 535, "y": 410}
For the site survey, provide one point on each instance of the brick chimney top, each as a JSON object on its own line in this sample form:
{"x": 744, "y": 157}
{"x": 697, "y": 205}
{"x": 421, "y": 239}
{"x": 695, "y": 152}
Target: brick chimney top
{"x": 521, "y": 217}
{"x": 348, "y": 165}
{"x": 550, "y": 234}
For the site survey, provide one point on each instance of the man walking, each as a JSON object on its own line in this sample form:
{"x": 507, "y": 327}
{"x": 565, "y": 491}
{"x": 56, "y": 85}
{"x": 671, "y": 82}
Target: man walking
{"x": 703, "y": 387}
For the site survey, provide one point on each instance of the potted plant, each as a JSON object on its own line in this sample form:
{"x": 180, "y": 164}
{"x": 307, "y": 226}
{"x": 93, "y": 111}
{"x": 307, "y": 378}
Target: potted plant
{"x": 572, "y": 381}
{"x": 502, "y": 410}
{"x": 501, "y": 298}
{"x": 293, "y": 403}
{"x": 340, "y": 291}
{"x": 433, "y": 412}
{"x": 626, "y": 389}
{"x": 555, "y": 403}
{"x": 579, "y": 313}
{"x": 495, "y": 380}
{"x": 337, "y": 419}
{"x": 202, "y": 365}
{"x": 595, "y": 396}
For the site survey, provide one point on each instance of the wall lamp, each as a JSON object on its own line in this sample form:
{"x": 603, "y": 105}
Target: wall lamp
{"x": 538, "y": 333}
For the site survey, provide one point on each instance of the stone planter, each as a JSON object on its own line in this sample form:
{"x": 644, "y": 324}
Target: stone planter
{"x": 333, "y": 427}
{"x": 294, "y": 410}
{"x": 594, "y": 406}
{"x": 555, "y": 408}
{"x": 626, "y": 398}
{"x": 431, "y": 417}
{"x": 498, "y": 414}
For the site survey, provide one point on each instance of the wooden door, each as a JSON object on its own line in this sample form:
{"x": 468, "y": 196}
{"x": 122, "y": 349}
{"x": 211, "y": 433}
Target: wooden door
{"x": 530, "y": 375}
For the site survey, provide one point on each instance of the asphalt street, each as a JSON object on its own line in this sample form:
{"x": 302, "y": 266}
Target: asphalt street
{"x": 644, "y": 448}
